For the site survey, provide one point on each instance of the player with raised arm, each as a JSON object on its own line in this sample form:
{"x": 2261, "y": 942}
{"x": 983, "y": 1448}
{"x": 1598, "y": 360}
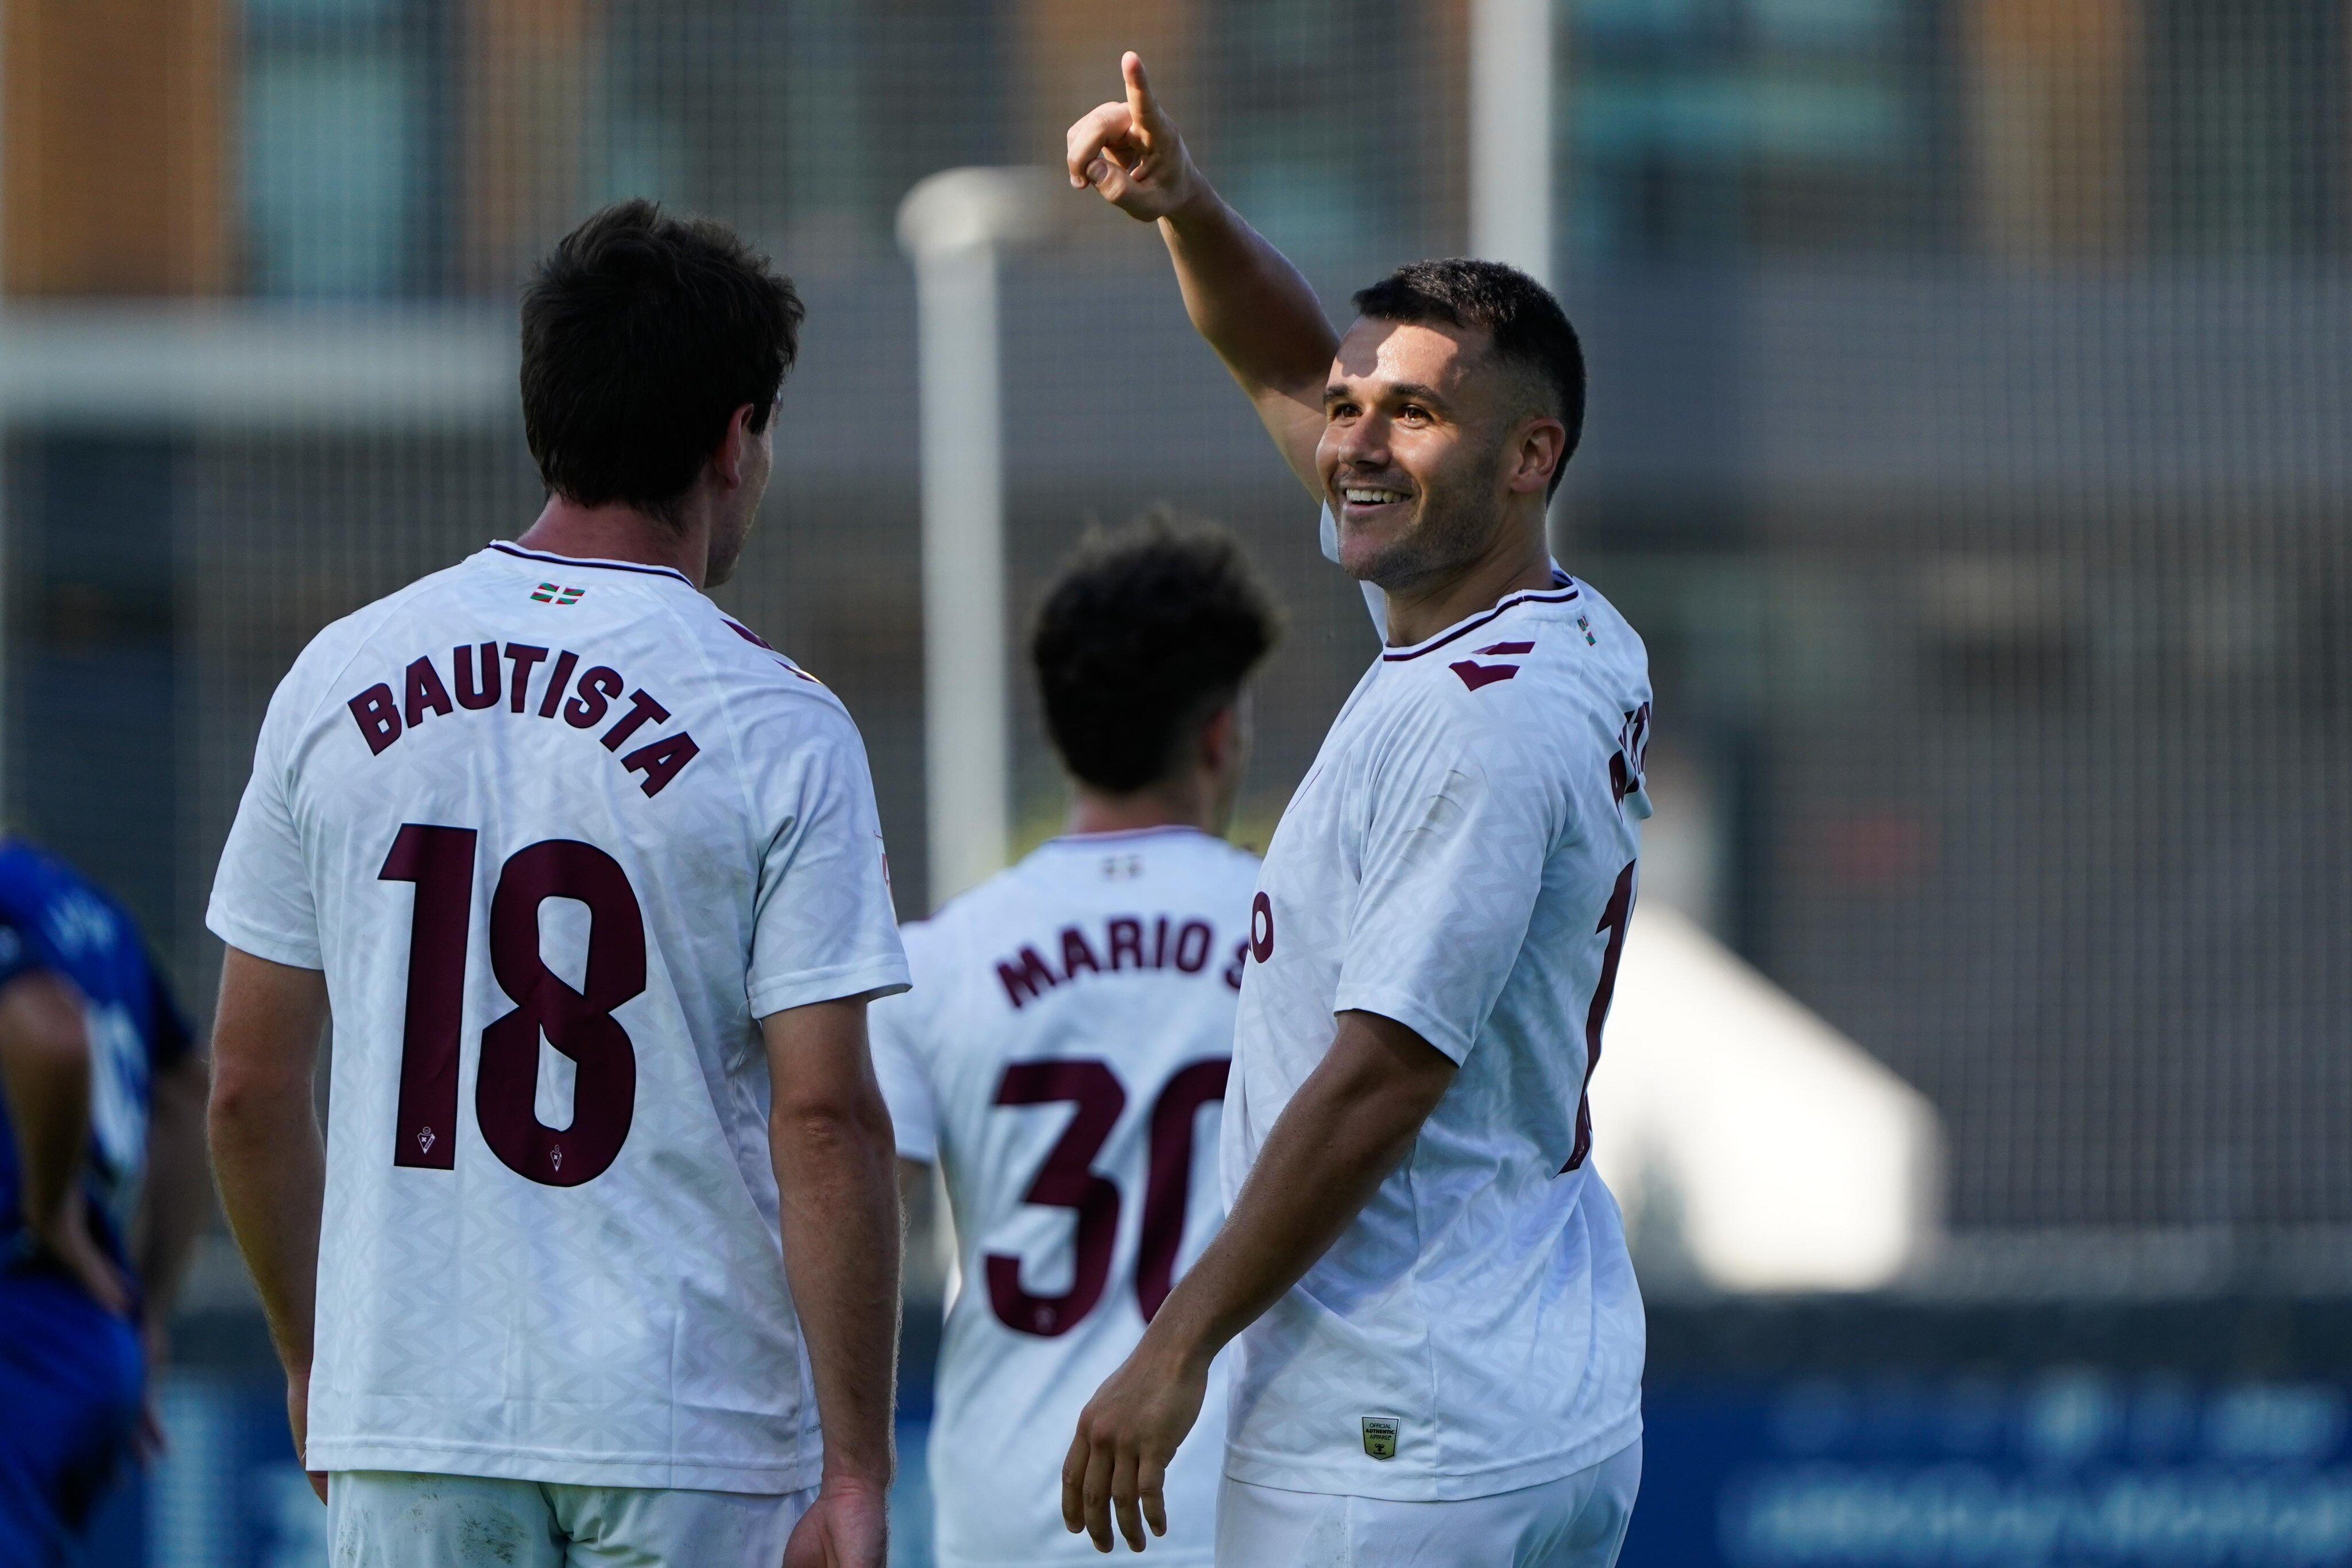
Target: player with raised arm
{"x": 102, "y": 1193}
{"x": 1064, "y": 1053}
{"x": 1441, "y": 1342}
{"x": 599, "y": 1262}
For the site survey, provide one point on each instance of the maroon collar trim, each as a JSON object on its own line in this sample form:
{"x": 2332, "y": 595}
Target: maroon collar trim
{"x": 1532, "y": 596}
{"x": 503, "y": 548}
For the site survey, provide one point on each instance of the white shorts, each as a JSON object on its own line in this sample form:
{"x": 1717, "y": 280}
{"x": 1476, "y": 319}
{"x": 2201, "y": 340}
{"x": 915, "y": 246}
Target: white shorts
{"x": 1576, "y": 1522}
{"x": 387, "y": 1519}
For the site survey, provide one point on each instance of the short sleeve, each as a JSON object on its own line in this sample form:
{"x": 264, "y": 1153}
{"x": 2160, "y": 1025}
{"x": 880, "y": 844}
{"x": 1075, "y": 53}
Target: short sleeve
{"x": 1453, "y": 858}
{"x": 262, "y": 900}
{"x": 822, "y": 925}
{"x": 898, "y": 1067}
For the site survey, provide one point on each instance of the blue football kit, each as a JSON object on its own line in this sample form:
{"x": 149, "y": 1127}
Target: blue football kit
{"x": 72, "y": 1374}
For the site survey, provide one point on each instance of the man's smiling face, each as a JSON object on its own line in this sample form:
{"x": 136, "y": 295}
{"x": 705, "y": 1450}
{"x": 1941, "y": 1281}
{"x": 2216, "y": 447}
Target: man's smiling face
{"x": 1418, "y": 420}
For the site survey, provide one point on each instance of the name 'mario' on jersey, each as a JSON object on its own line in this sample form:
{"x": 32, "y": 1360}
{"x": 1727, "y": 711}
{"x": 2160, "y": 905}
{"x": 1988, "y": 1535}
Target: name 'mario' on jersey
{"x": 557, "y": 842}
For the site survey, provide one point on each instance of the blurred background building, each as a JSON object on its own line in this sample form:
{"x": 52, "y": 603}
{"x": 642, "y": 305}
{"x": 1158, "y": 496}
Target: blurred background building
{"x": 1971, "y": 438}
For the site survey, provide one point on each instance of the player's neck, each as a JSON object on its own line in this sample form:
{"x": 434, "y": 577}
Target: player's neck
{"x": 1187, "y": 804}
{"x": 617, "y": 532}
{"x": 1518, "y": 561}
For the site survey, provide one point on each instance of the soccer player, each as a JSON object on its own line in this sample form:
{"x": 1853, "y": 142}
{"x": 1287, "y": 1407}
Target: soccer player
{"x": 1064, "y": 1051}
{"x": 1441, "y": 1337}
{"x": 101, "y": 1191}
{"x": 605, "y": 1226}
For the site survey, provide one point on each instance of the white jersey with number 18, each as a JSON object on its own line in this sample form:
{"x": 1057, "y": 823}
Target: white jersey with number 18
{"x": 1061, "y": 1057}
{"x": 559, "y": 832}
{"x": 1460, "y": 858}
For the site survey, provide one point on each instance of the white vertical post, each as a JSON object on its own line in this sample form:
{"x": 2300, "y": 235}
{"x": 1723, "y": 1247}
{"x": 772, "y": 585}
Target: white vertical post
{"x": 954, "y": 226}
{"x": 1510, "y": 133}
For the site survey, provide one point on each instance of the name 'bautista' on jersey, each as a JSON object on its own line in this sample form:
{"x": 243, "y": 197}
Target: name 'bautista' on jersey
{"x": 474, "y": 685}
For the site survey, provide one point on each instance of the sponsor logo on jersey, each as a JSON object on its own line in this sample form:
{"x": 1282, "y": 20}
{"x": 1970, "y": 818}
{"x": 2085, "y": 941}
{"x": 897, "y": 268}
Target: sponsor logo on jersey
{"x": 1380, "y": 1437}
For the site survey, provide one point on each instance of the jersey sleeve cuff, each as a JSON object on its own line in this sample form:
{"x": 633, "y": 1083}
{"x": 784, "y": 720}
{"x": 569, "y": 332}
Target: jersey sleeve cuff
{"x": 868, "y": 977}
{"x": 1403, "y": 1008}
{"x": 247, "y": 937}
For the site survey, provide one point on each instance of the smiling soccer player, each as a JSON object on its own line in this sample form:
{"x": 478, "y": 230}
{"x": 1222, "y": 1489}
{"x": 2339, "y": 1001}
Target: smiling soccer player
{"x": 1442, "y": 1340}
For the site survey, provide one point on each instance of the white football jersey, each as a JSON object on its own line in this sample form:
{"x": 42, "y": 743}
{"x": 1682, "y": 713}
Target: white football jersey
{"x": 557, "y": 832}
{"x": 1461, "y": 859}
{"x": 1062, "y": 1057}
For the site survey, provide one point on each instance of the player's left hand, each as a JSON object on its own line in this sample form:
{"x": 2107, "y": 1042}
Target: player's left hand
{"x": 1130, "y": 151}
{"x": 1126, "y": 1434}
{"x": 847, "y": 1527}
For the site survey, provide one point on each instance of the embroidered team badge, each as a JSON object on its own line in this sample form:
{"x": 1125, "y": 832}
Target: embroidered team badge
{"x": 1380, "y": 1437}
{"x": 548, "y": 593}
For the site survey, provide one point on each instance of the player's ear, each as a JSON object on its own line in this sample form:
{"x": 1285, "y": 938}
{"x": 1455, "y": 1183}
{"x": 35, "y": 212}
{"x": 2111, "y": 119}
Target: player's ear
{"x": 1221, "y": 737}
{"x": 1542, "y": 447}
{"x": 734, "y": 448}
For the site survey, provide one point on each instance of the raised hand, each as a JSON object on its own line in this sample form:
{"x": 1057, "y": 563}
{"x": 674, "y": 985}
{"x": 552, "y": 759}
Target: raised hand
{"x": 1130, "y": 151}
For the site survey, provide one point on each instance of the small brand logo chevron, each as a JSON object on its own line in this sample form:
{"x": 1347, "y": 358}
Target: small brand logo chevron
{"x": 549, "y": 593}
{"x": 1475, "y": 674}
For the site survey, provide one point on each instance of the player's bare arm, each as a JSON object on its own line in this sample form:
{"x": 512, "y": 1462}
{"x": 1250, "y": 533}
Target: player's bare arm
{"x": 1353, "y": 1122}
{"x": 44, "y": 1065}
{"x": 1244, "y": 296}
{"x": 829, "y": 1134}
{"x": 268, "y": 1155}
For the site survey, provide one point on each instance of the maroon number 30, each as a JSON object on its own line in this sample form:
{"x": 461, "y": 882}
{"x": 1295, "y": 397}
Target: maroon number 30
{"x": 579, "y": 1023}
{"x": 1068, "y": 1180}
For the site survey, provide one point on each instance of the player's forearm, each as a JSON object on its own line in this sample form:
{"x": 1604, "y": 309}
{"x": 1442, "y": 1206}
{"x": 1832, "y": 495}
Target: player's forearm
{"x": 836, "y": 1175}
{"x": 271, "y": 1168}
{"x": 1352, "y": 1122}
{"x": 269, "y": 1160}
{"x": 45, "y": 1068}
{"x": 1245, "y": 298}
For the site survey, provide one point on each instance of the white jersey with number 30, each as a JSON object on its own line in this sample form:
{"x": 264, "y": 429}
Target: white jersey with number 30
{"x": 1061, "y": 1057}
{"x": 1459, "y": 859}
{"x": 559, "y": 832}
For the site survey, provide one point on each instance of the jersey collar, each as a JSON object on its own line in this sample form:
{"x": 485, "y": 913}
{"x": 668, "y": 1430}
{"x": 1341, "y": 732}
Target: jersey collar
{"x": 507, "y": 548}
{"x": 1115, "y": 835}
{"x": 1563, "y": 589}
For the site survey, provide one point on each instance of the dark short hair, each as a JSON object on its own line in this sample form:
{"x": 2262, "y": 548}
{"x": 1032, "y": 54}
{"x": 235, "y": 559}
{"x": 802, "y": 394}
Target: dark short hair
{"x": 642, "y": 335}
{"x": 1142, "y": 634}
{"x": 1529, "y": 330}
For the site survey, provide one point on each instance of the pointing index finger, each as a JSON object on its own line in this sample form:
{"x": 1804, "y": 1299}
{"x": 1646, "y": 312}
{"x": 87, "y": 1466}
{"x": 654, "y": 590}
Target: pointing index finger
{"x": 1139, "y": 101}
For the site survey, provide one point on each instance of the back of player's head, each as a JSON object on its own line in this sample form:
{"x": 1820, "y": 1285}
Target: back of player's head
{"x": 1142, "y": 635}
{"x": 1530, "y": 332}
{"x": 642, "y": 335}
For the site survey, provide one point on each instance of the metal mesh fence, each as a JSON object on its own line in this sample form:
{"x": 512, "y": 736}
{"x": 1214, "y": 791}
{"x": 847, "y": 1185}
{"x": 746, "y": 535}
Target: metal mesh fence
{"x": 1969, "y": 439}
